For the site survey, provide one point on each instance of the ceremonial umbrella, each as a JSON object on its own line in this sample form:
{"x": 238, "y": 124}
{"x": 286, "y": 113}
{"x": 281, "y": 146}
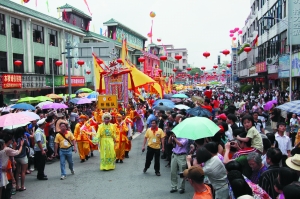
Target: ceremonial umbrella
{"x": 26, "y": 99}
{"x": 23, "y": 106}
{"x": 54, "y": 96}
{"x": 196, "y": 128}
{"x": 293, "y": 107}
{"x": 84, "y": 101}
{"x": 43, "y": 99}
{"x": 12, "y": 119}
{"x": 54, "y": 106}
{"x": 180, "y": 96}
{"x": 199, "y": 111}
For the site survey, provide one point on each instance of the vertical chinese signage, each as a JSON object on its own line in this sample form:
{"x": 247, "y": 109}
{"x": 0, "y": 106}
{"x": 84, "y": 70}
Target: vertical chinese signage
{"x": 11, "y": 81}
{"x": 294, "y": 21}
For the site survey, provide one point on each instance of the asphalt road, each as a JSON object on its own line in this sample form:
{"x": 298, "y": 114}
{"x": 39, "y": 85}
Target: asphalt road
{"x": 127, "y": 181}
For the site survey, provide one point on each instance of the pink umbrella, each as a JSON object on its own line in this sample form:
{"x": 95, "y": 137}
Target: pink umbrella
{"x": 54, "y": 106}
{"x": 12, "y": 119}
{"x": 84, "y": 101}
{"x": 269, "y": 105}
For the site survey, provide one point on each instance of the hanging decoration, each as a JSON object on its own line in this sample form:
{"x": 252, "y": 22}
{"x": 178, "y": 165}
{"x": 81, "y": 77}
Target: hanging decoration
{"x": 215, "y": 66}
{"x": 141, "y": 59}
{"x": 228, "y": 65}
{"x": 80, "y": 62}
{"x": 247, "y": 49}
{"x": 226, "y": 52}
{"x": 58, "y": 63}
{"x": 163, "y": 58}
{"x": 178, "y": 57}
{"x": 25, "y": 1}
{"x": 240, "y": 32}
{"x": 203, "y": 68}
{"x": 152, "y": 14}
{"x": 18, "y": 63}
{"x": 39, "y": 63}
{"x": 88, "y": 72}
{"x": 158, "y": 40}
{"x": 233, "y": 38}
{"x": 231, "y": 31}
{"x": 87, "y": 5}
{"x": 175, "y": 70}
{"x": 188, "y": 69}
{"x": 231, "y": 35}
{"x": 206, "y": 54}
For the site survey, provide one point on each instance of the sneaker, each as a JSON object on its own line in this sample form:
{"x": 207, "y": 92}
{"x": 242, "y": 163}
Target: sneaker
{"x": 72, "y": 172}
{"x": 63, "y": 177}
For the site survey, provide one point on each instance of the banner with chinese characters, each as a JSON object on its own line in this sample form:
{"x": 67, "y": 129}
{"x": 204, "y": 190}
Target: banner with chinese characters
{"x": 107, "y": 101}
{"x": 261, "y": 67}
{"x": 117, "y": 85}
{"x": 33, "y": 81}
{"x": 11, "y": 81}
{"x": 75, "y": 81}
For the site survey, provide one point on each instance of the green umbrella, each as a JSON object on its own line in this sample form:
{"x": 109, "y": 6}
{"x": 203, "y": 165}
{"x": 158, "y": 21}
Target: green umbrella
{"x": 27, "y": 100}
{"x": 43, "y": 99}
{"x": 196, "y": 128}
{"x": 84, "y": 90}
{"x": 67, "y": 95}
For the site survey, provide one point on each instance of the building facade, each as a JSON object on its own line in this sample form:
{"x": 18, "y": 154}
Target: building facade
{"x": 182, "y": 64}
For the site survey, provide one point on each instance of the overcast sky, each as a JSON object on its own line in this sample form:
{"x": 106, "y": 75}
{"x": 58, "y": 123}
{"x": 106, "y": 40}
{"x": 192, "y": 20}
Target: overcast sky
{"x": 198, "y": 25}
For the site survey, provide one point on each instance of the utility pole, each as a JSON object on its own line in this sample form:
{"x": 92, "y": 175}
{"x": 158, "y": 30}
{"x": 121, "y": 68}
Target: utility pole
{"x": 69, "y": 57}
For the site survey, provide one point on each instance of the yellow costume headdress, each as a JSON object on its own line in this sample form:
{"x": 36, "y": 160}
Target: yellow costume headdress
{"x": 106, "y": 115}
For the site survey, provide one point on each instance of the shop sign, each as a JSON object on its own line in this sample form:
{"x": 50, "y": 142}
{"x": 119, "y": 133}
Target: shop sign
{"x": 284, "y": 63}
{"x": 234, "y": 62}
{"x": 107, "y": 101}
{"x": 272, "y": 69}
{"x": 11, "y": 81}
{"x": 283, "y": 73}
{"x": 244, "y": 73}
{"x": 33, "y": 81}
{"x": 261, "y": 67}
{"x": 58, "y": 81}
{"x": 75, "y": 81}
{"x": 252, "y": 71}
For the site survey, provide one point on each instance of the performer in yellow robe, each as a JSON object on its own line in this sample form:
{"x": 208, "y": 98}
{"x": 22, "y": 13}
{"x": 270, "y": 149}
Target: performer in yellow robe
{"x": 82, "y": 139}
{"x": 129, "y": 124}
{"x": 121, "y": 138}
{"x": 106, "y": 135}
{"x": 98, "y": 115}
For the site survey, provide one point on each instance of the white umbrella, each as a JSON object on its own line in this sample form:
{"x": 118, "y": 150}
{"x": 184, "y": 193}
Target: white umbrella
{"x": 15, "y": 126}
{"x": 181, "y": 106}
{"x": 31, "y": 114}
{"x": 43, "y": 103}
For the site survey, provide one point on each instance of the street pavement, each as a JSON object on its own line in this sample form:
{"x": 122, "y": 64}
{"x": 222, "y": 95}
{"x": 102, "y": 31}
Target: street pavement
{"x": 126, "y": 181}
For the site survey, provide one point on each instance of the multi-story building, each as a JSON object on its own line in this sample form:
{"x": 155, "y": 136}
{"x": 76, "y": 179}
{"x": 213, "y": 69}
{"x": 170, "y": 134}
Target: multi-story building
{"x": 172, "y": 52}
{"x": 268, "y": 39}
{"x": 29, "y": 36}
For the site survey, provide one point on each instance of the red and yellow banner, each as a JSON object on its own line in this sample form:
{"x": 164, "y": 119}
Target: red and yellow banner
{"x": 11, "y": 81}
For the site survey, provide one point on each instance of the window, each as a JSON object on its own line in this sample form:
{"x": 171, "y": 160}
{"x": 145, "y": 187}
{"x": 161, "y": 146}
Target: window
{"x": 38, "y": 33}
{"x": 39, "y": 69}
{"x": 16, "y": 28}
{"x": 52, "y": 37}
{"x": 52, "y": 63}
{"x": 18, "y": 69}
{"x": 2, "y": 24}
{"x": 3, "y": 61}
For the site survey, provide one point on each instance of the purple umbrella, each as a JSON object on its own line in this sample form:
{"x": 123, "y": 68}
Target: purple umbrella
{"x": 54, "y": 106}
{"x": 84, "y": 101}
{"x": 269, "y": 105}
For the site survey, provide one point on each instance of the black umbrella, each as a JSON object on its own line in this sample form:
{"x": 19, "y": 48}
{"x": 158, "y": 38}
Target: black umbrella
{"x": 199, "y": 111}
{"x": 162, "y": 108}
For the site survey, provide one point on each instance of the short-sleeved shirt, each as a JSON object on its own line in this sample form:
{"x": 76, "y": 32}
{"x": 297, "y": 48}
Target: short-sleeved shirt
{"x": 39, "y": 136}
{"x": 256, "y": 140}
{"x": 284, "y": 143}
{"x": 204, "y": 195}
{"x": 154, "y": 138}
{"x": 62, "y": 142}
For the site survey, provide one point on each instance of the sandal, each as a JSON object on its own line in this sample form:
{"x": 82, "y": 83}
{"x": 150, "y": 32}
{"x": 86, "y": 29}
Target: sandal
{"x": 22, "y": 189}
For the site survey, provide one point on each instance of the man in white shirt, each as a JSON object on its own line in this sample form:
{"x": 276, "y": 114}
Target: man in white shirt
{"x": 284, "y": 142}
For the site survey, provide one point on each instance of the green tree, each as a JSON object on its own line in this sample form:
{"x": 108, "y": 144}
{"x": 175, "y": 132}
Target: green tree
{"x": 195, "y": 70}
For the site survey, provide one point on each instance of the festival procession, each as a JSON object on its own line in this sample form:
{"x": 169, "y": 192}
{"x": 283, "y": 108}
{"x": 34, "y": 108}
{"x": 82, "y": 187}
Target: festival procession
{"x": 105, "y": 115}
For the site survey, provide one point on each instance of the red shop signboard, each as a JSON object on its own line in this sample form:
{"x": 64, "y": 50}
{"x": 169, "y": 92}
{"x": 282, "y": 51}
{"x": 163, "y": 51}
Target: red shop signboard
{"x": 75, "y": 81}
{"x": 261, "y": 67}
{"x": 11, "y": 81}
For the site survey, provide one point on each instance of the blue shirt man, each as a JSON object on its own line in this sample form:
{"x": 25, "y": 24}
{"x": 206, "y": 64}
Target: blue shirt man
{"x": 150, "y": 118}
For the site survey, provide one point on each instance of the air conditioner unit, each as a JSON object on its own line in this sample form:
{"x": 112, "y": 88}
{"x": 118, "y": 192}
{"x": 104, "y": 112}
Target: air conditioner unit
{"x": 270, "y": 61}
{"x": 266, "y": 27}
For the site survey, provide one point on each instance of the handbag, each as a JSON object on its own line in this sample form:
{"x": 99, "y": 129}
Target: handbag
{"x": 66, "y": 139}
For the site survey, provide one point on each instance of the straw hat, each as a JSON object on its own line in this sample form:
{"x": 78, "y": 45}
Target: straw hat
{"x": 294, "y": 162}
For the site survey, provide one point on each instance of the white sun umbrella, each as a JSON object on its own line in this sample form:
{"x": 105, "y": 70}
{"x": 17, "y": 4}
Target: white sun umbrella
{"x": 43, "y": 103}
{"x": 31, "y": 114}
{"x": 181, "y": 106}
{"x": 16, "y": 126}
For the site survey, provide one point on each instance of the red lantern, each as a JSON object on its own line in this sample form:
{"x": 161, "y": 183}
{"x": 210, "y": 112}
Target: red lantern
{"x": 58, "y": 63}
{"x": 228, "y": 65}
{"x": 178, "y": 57}
{"x": 205, "y": 73}
{"x": 203, "y": 68}
{"x": 99, "y": 61}
{"x": 188, "y": 69}
{"x": 240, "y": 32}
{"x": 226, "y": 52}
{"x": 206, "y": 54}
{"x": 80, "y": 62}
{"x": 223, "y": 70}
{"x": 141, "y": 59}
{"x": 163, "y": 58}
{"x": 247, "y": 49}
{"x": 233, "y": 38}
{"x": 223, "y": 74}
{"x": 39, "y": 63}
{"x": 120, "y": 61}
{"x": 159, "y": 40}
{"x": 18, "y": 63}
{"x": 215, "y": 66}
{"x": 175, "y": 70}
{"x": 231, "y": 35}
{"x": 25, "y": 1}
{"x": 88, "y": 72}
{"x": 214, "y": 72}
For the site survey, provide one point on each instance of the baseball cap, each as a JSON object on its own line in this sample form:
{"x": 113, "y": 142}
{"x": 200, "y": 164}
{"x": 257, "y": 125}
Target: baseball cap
{"x": 222, "y": 116}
